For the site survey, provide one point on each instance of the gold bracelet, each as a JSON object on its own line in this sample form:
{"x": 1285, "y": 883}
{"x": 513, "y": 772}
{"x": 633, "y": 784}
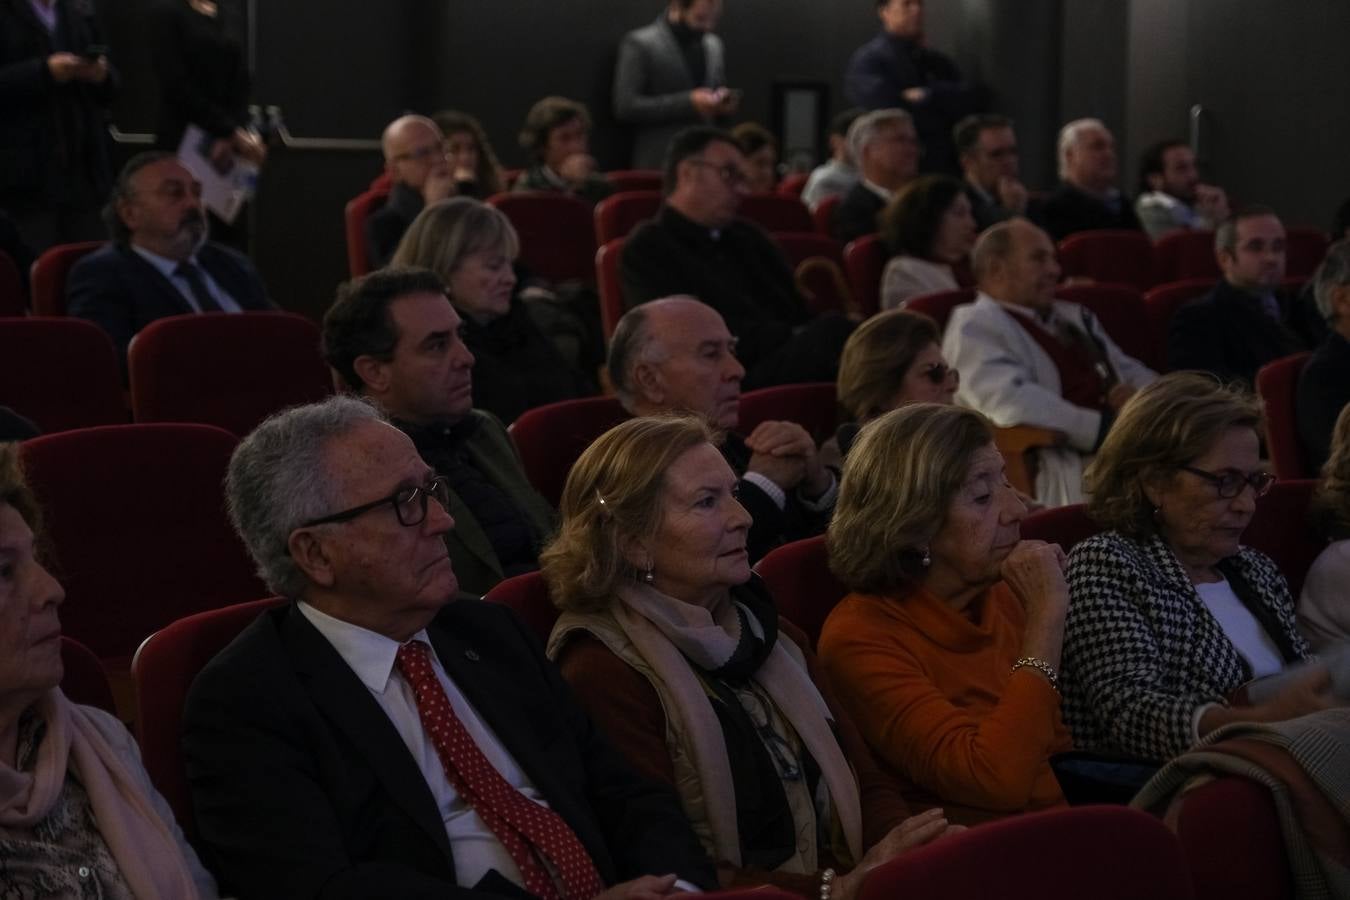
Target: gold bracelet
{"x": 826, "y": 884}
{"x": 1041, "y": 666}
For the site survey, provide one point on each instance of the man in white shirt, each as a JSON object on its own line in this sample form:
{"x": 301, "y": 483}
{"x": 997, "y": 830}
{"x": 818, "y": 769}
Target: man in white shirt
{"x": 1171, "y": 195}
{"x": 159, "y": 262}
{"x": 374, "y": 739}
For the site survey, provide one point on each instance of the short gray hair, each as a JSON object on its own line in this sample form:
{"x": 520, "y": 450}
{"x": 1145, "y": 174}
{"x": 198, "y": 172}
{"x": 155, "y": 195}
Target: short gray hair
{"x": 278, "y": 479}
{"x": 1225, "y": 236}
{"x": 994, "y": 245}
{"x": 1069, "y": 136}
{"x": 864, "y": 129}
{"x": 1332, "y": 273}
{"x": 633, "y": 342}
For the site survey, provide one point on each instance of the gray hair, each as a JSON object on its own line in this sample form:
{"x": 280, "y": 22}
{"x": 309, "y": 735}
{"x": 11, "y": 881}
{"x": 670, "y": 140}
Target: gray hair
{"x": 1332, "y": 273}
{"x": 1225, "y": 236}
{"x": 278, "y": 479}
{"x": 864, "y": 129}
{"x": 123, "y": 191}
{"x": 633, "y": 342}
{"x": 1069, "y": 136}
{"x": 993, "y": 245}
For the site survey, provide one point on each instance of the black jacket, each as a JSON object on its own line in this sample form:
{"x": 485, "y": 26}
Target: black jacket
{"x": 1226, "y": 332}
{"x": 1069, "y": 210}
{"x": 1323, "y": 391}
{"x": 856, "y": 215}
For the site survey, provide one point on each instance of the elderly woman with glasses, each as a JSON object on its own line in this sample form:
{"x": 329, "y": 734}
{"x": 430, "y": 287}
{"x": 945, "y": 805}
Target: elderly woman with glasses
{"x": 1170, "y": 614}
{"x": 675, "y": 648}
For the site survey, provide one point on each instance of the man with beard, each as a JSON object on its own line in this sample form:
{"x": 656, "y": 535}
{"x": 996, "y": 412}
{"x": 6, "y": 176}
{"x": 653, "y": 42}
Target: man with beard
{"x": 1171, "y": 195}
{"x": 159, "y": 262}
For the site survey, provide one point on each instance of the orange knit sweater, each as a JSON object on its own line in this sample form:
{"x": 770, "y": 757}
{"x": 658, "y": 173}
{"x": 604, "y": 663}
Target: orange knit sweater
{"x": 932, "y": 693}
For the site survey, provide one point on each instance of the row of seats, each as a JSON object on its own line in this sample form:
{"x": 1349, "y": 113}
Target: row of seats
{"x": 225, "y": 370}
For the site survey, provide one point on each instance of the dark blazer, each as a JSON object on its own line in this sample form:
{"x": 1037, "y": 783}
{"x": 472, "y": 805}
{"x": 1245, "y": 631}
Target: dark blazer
{"x": 54, "y": 142}
{"x": 1323, "y": 391}
{"x": 200, "y": 66}
{"x": 1228, "y": 333}
{"x": 119, "y": 291}
{"x": 1069, "y": 210}
{"x": 386, "y": 225}
{"x": 772, "y": 526}
{"x": 303, "y": 788}
{"x": 856, "y": 215}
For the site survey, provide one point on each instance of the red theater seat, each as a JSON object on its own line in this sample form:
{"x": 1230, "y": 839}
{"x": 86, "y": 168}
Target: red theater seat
{"x": 1162, "y": 302}
{"x": 557, "y": 237}
{"x": 812, "y": 405}
{"x": 1304, "y": 250}
{"x": 774, "y": 212}
{"x": 359, "y": 209}
{"x": 550, "y": 438}
{"x": 635, "y": 179}
{"x": 610, "y": 285}
{"x": 823, "y": 215}
{"x": 803, "y": 588}
{"x": 84, "y": 680}
{"x": 1186, "y": 254}
{"x": 818, "y": 265}
{"x": 13, "y": 298}
{"x": 61, "y": 373}
{"x": 620, "y": 213}
{"x": 1121, "y": 256}
{"x": 1277, "y": 383}
{"x": 48, "y": 278}
{"x": 938, "y": 305}
{"x": 1120, "y": 309}
{"x": 864, "y": 261}
{"x": 793, "y": 185}
{"x": 527, "y": 596}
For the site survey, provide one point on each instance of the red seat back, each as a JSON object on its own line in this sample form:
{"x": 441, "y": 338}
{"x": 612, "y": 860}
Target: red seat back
{"x": 1162, "y": 302}
{"x": 527, "y": 595}
{"x": 550, "y": 438}
{"x": 61, "y": 373}
{"x": 824, "y": 293}
{"x": 610, "y": 283}
{"x": 938, "y": 305}
{"x": 1277, "y": 383}
{"x": 864, "y": 261}
{"x": 823, "y": 215}
{"x": 557, "y": 237}
{"x": 226, "y": 370}
{"x": 620, "y": 213}
{"x": 358, "y": 209}
{"x": 803, "y": 588}
{"x": 1304, "y": 250}
{"x": 136, "y": 518}
{"x": 1120, "y": 309}
{"x": 165, "y": 666}
{"x": 812, "y": 405}
{"x": 48, "y": 278}
{"x": 774, "y": 212}
{"x": 383, "y": 182}
{"x": 1230, "y": 832}
{"x": 13, "y": 298}
{"x": 635, "y": 179}
{"x": 1120, "y": 256}
{"x": 792, "y": 185}
{"x": 1186, "y": 254}
{"x": 84, "y": 680}
{"x": 1103, "y": 852}
{"x": 1063, "y": 525}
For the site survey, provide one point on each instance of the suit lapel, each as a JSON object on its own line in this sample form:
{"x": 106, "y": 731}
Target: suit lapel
{"x": 468, "y": 532}
{"x": 25, "y": 13}
{"x": 346, "y": 702}
{"x": 164, "y": 288}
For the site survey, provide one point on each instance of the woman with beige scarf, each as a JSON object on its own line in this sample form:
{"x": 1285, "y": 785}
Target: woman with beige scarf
{"x": 78, "y": 815}
{"x": 676, "y": 651}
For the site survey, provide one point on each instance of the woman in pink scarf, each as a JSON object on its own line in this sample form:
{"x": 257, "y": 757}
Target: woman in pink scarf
{"x": 78, "y": 815}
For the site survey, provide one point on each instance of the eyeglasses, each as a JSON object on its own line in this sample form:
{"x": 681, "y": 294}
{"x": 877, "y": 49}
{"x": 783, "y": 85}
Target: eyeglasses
{"x": 731, "y": 173}
{"x": 424, "y": 154}
{"x": 410, "y": 505}
{"x": 1230, "y": 482}
{"x": 784, "y": 757}
{"x": 938, "y": 373}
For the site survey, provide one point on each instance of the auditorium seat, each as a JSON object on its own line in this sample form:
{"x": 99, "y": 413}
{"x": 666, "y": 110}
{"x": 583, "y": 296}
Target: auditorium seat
{"x": 1063, "y": 525}
{"x": 938, "y": 305}
{"x": 358, "y": 210}
{"x": 83, "y": 680}
{"x": 823, "y": 215}
{"x": 1277, "y": 383}
{"x": 609, "y": 285}
{"x": 557, "y": 237}
{"x": 61, "y": 373}
{"x": 13, "y": 298}
{"x": 793, "y": 184}
{"x": 818, "y": 267}
{"x": 1120, "y": 309}
{"x": 1229, "y": 829}
{"x": 812, "y": 405}
{"x": 48, "y": 278}
{"x": 1102, "y": 852}
{"x": 550, "y": 438}
{"x": 231, "y": 371}
{"x": 163, "y": 670}
{"x": 527, "y": 596}
{"x": 135, "y": 517}
{"x": 1114, "y": 255}
{"x": 634, "y": 179}
{"x": 1162, "y": 302}
{"x": 1304, "y": 250}
{"x": 774, "y": 212}
{"x": 864, "y": 261}
{"x": 1186, "y": 254}
{"x": 803, "y": 588}
{"x": 620, "y": 213}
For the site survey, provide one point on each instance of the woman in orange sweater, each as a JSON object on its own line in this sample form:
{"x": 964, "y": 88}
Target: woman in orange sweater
{"x": 947, "y": 650}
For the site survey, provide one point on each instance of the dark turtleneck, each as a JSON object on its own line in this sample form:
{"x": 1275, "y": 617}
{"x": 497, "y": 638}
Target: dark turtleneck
{"x": 690, "y": 41}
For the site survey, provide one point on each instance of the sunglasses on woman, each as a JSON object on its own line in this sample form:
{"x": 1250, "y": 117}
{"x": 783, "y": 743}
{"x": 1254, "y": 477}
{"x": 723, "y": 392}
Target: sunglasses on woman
{"x": 938, "y": 373}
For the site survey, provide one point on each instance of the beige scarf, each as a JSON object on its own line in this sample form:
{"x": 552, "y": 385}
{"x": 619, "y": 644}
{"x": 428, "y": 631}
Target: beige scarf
{"x": 143, "y": 845}
{"x": 665, "y": 631}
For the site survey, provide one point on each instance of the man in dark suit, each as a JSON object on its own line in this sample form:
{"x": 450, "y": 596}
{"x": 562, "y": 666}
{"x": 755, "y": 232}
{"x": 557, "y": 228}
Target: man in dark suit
{"x": 986, "y": 147}
{"x": 377, "y": 738}
{"x": 675, "y": 355}
{"x": 1324, "y": 383}
{"x": 420, "y": 174}
{"x": 394, "y": 337}
{"x": 159, "y": 262}
{"x": 1087, "y": 197}
{"x": 886, "y": 148}
{"x": 669, "y": 75}
{"x": 1247, "y": 320}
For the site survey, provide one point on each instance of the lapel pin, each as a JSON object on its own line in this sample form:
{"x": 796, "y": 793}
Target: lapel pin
{"x": 471, "y": 655}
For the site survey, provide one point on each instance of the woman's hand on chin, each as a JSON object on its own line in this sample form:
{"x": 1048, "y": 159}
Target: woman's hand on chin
{"x": 913, "y": 832}
{"x": 1035, "y": 572}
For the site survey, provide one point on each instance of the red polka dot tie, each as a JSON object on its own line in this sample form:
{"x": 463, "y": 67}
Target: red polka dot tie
{"x": 531, "y": 833}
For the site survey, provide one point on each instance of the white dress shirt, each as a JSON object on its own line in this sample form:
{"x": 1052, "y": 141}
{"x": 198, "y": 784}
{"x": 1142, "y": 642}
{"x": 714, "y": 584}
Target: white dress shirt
{"x": 169, "y": 269}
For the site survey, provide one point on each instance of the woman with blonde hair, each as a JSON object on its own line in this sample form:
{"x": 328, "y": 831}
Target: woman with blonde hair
{"x": 1324, "y": 604}
{"x": 946, "y": 650}
{"x": 675, "y": 649}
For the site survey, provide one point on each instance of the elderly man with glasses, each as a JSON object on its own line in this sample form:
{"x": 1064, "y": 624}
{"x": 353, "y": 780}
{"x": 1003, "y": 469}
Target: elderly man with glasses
{"x": 420, "y": 175}
{"x": 376, "y": 737}
{"x": 697, "y": 246}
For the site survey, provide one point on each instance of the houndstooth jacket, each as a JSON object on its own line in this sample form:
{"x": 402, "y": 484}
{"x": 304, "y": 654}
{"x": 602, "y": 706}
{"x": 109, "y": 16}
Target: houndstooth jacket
{"x": 1141, "y": 651}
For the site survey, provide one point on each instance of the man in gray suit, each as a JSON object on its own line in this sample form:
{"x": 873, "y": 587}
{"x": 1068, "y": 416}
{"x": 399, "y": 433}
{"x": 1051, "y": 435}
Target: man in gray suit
{"x": 671, "y": 75}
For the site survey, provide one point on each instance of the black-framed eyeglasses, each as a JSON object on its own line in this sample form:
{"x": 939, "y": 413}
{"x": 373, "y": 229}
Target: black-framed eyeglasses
{"x": 940, "y": 372}
{"x": 409, "y": 503}
{"x": 730, "y": 173}
{"x": 1230, "y": 482}
{"x": 424, "y": 154}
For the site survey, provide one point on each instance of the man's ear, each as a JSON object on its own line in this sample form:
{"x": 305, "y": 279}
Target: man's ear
{"x": 648, "y": 384}
{"x": 311, "y": 556}
{"x": 373, "y": 373}
{"x": 126, "y": 211}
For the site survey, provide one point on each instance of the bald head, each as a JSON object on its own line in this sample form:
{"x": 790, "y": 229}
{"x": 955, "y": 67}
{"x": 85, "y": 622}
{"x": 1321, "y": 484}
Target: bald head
{"x": 676, "y": 355}
{"x": 1014, "y": 262}
{"x": 413, "y": 149}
